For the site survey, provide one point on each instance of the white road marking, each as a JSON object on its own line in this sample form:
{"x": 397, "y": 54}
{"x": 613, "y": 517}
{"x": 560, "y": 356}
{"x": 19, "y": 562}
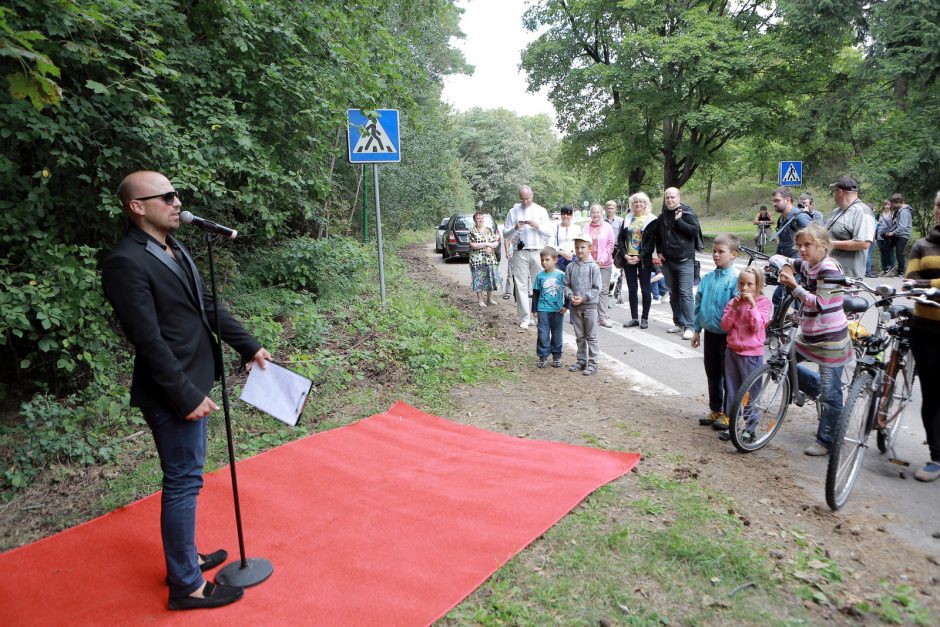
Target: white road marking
{"x": 660, "y": 345}
{"x": 642, "y": 384}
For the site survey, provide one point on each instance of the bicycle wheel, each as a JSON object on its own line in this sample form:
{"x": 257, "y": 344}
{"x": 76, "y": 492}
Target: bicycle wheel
{"x": 848, "y": 445}
{"x": 781, "y": 322}
{"x": 761, "y": 241}
{"x": 898, "y": 398}
{"x": 759, "y": 407}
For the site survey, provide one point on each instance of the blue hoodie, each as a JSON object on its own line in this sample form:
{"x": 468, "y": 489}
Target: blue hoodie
{"x": 717, "y": 288}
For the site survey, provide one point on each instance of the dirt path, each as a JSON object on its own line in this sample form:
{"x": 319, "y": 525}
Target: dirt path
{"x": 665, "y": 430}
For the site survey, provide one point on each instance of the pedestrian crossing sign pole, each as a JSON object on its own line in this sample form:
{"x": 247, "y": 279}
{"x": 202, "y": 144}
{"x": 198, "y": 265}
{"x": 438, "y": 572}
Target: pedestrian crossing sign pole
{"x": 791, "y": 173}
{"x": 374, "y": 140}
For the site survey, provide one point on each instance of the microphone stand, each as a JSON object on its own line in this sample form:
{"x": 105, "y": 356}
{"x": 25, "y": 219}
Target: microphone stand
{"x": 250, "y": 571}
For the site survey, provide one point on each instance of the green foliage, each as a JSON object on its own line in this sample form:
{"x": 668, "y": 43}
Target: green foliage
{"x": 82, "y": 429}
{"x": 501, "y": 150}
{"x": 314, "y": 265}
{"x": 646, "y": 84}
{"x": 241, "y": 103}
{"x": 51, "y": 317}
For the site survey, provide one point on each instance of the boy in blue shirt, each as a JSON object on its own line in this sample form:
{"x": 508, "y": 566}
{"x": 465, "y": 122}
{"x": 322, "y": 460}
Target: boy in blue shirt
{"x": 715, "y": 291}
{"x": 548, "y": 301}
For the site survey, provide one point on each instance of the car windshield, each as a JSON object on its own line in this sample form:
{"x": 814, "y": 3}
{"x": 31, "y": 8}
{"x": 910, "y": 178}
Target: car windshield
{"x": 465, "y": 223}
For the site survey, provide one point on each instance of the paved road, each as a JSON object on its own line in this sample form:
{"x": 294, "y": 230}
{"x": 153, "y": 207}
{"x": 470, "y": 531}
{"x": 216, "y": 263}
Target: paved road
{"x": 655, "y": 363}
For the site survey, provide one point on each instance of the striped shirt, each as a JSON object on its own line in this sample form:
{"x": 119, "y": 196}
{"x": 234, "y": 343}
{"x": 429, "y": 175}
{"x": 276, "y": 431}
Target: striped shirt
{"x": 924, "y": 268}
{"x": 824, "y": 332}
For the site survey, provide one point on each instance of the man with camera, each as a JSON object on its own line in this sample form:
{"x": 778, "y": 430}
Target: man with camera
{"x": 528, "y": 222}
{"x": 677, "y": 232}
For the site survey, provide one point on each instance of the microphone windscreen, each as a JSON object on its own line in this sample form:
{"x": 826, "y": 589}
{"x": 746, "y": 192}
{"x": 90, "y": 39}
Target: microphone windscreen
{"x": 186, "y": 217}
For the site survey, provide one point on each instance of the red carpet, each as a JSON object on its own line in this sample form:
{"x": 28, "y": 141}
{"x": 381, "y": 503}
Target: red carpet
{"x": 389, "y": 521}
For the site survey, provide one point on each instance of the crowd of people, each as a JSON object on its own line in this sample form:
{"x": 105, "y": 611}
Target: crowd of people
{"x": 567, "y": 269}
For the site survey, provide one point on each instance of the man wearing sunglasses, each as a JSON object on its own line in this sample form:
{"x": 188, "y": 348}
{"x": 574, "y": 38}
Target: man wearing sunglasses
{"x": 167, "y": 314}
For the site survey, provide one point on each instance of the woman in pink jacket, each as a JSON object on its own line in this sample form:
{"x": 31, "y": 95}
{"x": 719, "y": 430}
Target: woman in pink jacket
{"x": 602, "y": 250}
{"x": 745, "y": 321}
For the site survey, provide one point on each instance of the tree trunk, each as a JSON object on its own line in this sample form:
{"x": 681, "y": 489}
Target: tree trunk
{"x": 708, "y": 195}
{"x": 636, "y": 180}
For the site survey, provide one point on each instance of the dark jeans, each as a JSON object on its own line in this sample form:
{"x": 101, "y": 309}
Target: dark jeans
{"x": 678, "y": 275}
{"x": 181, "y": 445}
{"x": 927, "y": 362}
{"x": 551, "y": 326}
{"x": 643, "y": 272}
{"x": 737, "y": 369}
{"x": 713, "y": 347}
{"x": 892, "y": 249}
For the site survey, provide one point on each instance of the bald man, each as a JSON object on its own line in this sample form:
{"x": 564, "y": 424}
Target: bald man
{"x": 676, "y": 234}
{"x": 165, "y": 312}
{"x": 527, "y": 223}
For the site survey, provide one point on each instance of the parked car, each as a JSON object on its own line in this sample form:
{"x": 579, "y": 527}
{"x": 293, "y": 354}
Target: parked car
{"x": 439, "y": 236}
{"x": 458, "y": 227}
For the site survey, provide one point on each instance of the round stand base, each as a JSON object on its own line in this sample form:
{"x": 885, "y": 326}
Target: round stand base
{"x": 257, "y": 570}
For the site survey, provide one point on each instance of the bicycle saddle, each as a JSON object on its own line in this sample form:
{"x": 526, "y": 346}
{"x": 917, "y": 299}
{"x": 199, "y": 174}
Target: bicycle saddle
{"x": 854, "y": 304}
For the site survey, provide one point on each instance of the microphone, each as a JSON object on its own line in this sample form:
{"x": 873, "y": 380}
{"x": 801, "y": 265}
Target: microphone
{"x": 207, "y": 225}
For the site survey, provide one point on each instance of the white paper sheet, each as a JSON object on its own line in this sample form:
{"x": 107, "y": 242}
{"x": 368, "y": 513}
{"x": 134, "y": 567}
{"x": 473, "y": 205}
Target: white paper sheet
{"x": 277, "y": 391}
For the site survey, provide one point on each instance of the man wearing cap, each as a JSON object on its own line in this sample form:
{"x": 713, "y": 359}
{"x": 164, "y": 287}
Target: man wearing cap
{"x": 529, "y": 223}
{"x": 676, "y": 232}
{"x": 583, "y": 288}
{"x": 850, "y": 229}
{"x": 900, "y": 229}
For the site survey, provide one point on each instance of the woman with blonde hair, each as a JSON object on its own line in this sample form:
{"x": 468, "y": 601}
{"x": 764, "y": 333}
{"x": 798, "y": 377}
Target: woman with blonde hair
{"x": 636, "y": 242}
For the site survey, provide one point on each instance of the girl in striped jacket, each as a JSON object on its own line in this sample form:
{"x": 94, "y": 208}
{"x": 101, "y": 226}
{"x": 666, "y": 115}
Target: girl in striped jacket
{"x": 824, "y": 336}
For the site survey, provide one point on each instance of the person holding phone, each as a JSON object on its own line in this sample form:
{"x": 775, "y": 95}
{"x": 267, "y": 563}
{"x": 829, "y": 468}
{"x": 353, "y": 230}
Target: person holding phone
{"x": 528, "y": 222}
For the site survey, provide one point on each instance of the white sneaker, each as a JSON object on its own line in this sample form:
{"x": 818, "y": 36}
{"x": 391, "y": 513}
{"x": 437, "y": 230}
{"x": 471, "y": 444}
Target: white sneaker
{"x": 674, "y": 329}
{"x": 687, "y": 334}
{"x": 524, "y": 324}
{"x": 657, "y": 301}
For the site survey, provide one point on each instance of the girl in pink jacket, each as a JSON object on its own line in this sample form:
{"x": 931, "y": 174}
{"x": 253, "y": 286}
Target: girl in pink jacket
{"x": 745, "y": 321}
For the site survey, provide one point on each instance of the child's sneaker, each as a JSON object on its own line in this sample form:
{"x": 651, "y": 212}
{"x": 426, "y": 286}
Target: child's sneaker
{"x": 721, "y": 423}
{"x": 556, "y": 363}
{"x": 589, "y": 370}
{"x": 543, "y": 361}
{"x": 709, "y": 419}
{"x": 577, "y": 366}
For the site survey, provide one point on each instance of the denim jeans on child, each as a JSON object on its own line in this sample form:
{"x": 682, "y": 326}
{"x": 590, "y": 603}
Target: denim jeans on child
{"x": 551, "y": 325}
{"x": 827, "y": 386}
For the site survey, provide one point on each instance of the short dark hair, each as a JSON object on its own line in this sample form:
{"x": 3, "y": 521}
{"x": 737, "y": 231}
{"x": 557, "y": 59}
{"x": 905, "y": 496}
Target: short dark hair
{"x": 548, "y": 251}
{"x": 786, "y": 192}
{"x": 567, "y": 209}
{"x": 897, "y": 197}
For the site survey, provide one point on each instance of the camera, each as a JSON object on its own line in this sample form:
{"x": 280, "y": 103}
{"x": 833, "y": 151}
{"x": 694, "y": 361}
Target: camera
{"x": 801, "y": 206}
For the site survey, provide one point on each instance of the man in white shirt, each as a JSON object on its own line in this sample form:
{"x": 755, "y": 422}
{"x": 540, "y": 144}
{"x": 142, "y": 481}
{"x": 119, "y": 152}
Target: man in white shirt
{"x": 529, "y": 223}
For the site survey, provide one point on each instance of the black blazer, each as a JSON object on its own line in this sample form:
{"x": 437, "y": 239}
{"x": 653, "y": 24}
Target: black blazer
{"x": 167, "y": 320}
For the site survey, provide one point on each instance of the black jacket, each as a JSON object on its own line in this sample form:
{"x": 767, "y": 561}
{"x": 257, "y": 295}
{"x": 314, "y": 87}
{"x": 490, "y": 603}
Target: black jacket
{"x": 166, "y": 317}
{"x": 647, "y": 242}
{"x": 676, "y": 239}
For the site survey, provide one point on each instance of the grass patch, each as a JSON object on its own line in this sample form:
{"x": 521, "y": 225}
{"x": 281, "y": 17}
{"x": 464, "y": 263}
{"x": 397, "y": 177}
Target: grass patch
{"x": 670, "y": 551}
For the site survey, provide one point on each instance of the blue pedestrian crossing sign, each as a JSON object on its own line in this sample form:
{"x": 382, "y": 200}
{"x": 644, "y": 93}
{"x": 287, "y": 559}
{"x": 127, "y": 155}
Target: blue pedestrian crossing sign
{"x": 791, "y": 173}
{"x": 373, "y": 141}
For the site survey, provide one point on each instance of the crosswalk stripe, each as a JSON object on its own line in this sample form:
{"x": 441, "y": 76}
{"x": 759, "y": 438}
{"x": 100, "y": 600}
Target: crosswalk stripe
{"x": 642, "y": 384}
{"x": 658, "y": 344}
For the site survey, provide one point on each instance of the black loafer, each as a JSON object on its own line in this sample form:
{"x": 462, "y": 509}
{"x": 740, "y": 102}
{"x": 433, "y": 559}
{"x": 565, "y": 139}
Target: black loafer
{"x": 644, "y": 324}
{"x": 212, "y": 560}
{"x": 214, "y": 595}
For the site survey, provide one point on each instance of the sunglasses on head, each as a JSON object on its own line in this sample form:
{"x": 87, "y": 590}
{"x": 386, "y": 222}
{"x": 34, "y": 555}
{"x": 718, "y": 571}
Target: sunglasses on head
{"x": 168, "y": 197}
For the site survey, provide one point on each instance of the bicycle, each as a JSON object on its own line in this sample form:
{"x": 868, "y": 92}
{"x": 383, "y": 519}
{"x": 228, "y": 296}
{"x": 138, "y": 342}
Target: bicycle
{"x": 765, "y": 395}
{"x": 880, "y": 390}
{"x": 762, "y": 237}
